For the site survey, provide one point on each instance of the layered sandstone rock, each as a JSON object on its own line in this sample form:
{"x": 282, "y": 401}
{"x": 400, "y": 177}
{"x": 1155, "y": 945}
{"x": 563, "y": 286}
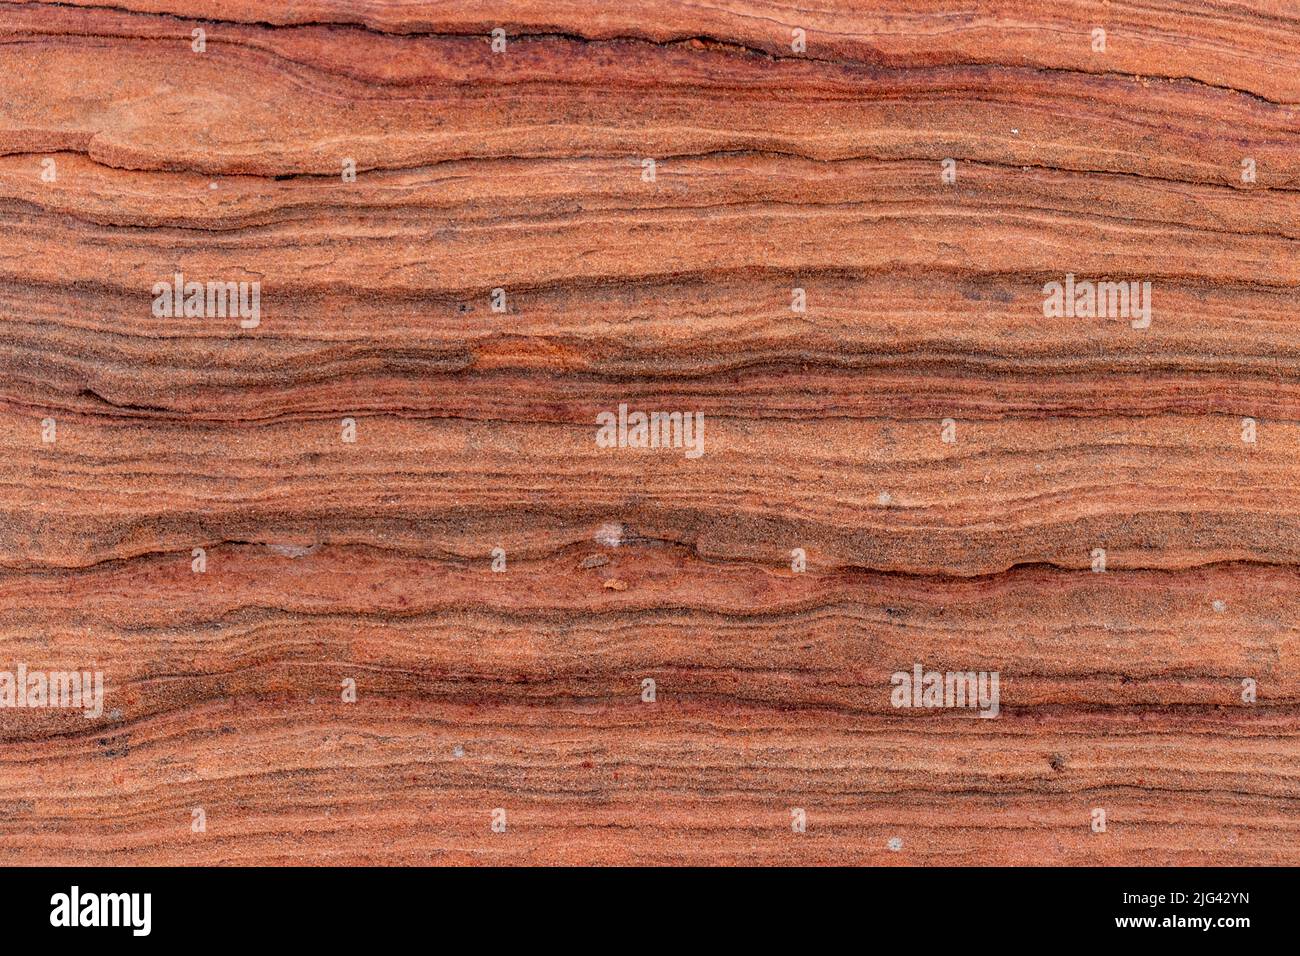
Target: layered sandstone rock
{"x": 327, "y": 560}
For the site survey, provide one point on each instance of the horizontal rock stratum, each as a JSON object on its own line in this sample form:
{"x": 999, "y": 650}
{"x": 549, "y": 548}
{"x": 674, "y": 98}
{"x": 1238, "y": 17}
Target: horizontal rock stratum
{"x": 365, "y": 588}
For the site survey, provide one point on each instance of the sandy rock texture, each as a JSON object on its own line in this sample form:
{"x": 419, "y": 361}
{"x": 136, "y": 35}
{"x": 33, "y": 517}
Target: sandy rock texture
{"x": 181, "y": 508}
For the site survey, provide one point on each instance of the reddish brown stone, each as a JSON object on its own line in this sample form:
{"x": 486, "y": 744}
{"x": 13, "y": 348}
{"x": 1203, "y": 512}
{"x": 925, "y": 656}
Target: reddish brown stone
{"x": 523, "y": 688}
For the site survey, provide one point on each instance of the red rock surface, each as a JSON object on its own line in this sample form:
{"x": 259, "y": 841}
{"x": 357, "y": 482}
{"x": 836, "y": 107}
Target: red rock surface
{"x": 522, "y": 690}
